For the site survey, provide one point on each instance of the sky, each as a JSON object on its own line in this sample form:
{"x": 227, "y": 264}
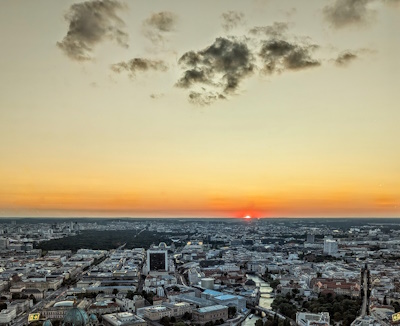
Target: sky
{"x": 267, "y": 108}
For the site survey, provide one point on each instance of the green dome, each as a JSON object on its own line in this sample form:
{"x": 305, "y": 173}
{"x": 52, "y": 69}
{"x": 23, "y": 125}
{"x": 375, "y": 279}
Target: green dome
{"x": 47, "y": 323}
{"x": 75, "y": 317}
{"x": 93, "y": 317}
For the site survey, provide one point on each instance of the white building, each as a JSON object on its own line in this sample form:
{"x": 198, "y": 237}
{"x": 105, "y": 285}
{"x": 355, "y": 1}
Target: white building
{"x": 123, "y": 318}
{"x": 7, "y": 315}
{"x": 307, "y": 319}
{"x": 330, "y": 247}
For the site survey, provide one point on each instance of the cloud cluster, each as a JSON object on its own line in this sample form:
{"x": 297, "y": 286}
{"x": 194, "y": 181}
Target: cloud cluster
{"x": 221, "y": 66}
{"x": 158, "y": 25}
{"x": 139, "y": 64}
{"x": 231, "y": 19}
{"x": 217, "y": 71}
{"x": 90, "y": 23}
{"x": 348, "y": 12}
{"x": 278, "y": 55}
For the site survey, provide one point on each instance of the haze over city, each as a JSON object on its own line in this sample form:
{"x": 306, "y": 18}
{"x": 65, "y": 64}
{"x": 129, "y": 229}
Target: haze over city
{"x": 200, "y": 109}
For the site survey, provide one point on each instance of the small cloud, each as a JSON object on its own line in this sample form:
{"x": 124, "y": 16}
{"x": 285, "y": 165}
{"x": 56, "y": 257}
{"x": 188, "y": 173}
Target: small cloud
{"x": 343, "y": 13}
{"x": 155, "y": 96}
{"x": 278, "y": 55}
{"x": 231, "y": 20}
{"x": 94, "y": 84}
{"x": 158, "y": 25}
{"x": 276, "y": 29}
{"x": 291, "y": 12}
{"x": 90, "y": 23}
{"x": 139, "y": 64}
{"x": 218, "y": 70}
{"x": 344, "y": 58}
{"x": 205, "y": 98}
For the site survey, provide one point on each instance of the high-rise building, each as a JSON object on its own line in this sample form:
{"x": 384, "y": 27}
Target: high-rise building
{"x": 3, "y": 243}
{"x": 157, "y": 260}
{"x": 330, "y": 246}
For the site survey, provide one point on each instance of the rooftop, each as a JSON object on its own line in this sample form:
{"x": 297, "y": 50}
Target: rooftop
{"x": 212, "y": 308}
{"x": 226, "y": 297}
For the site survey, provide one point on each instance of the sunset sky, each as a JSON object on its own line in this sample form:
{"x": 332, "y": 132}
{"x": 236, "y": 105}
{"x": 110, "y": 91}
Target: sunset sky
{"x": 267, "y": 108}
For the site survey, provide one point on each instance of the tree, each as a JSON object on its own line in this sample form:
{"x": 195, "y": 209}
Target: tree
{"x": 180, "y": 323}
{"x": 187, "y": 316}
{"x": 165, "y": 321}
{"x": 385, "y": 300}
{"x": 337, "y": 316}
{"x": 259, "y": 322}
{"x": 130, "y": 295}
{"x": 115, "y": 291}
{"x": 3, "y": 305}
{"x": 231, "y": 311}
{"x": 32, "y": 297}
{"x": 274, "y": 284}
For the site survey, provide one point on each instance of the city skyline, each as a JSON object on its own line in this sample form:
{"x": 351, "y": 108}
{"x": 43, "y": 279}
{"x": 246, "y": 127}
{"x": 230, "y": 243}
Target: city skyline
{"x": 201, "y": 109}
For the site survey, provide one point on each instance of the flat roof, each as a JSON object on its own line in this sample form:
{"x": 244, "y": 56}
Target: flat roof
{"x": 213, "y": 293}
{"x": 226, "y": 297}
{"x": 212, "y": 308}
{"x": 64, "y": 304}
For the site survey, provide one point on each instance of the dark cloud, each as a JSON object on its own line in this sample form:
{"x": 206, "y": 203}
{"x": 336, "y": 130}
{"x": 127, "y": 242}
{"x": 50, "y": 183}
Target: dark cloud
{"x": 193, "y": 76}
{"x": 90, "y": 23}
{"x": 139, "y": 64}
{"x": 158, "y": 25}
{"x": 344, "y": 58}
{"x": 231, "y": 19}
{"x": 205, "y": 98}
{"x": 221, "y": 66}
{"x": 348, "y": 12}
{"x": 276, "y": 29}
{"x": 278, "y": 55}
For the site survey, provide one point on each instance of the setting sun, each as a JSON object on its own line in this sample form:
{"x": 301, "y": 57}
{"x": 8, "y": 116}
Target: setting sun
{"x": 247, "y": 217}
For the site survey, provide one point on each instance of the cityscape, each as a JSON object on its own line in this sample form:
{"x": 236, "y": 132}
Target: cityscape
{"x": 199, "y": 163}
{"x": 200, "y": 272}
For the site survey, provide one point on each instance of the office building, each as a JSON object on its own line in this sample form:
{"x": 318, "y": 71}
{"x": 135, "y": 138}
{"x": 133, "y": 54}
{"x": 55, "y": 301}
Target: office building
{"x": 157, "y": 260}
